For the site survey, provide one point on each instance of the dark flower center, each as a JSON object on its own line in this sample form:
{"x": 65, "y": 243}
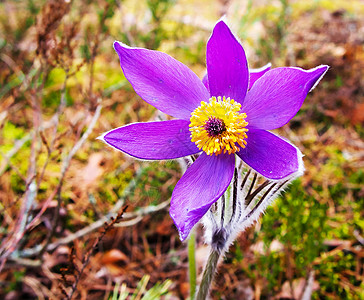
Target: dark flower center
{"x": 215, "y": 126}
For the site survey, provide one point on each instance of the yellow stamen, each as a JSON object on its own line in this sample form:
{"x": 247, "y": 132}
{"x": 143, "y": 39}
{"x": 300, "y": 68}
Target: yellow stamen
{"x": 218, "y": 126}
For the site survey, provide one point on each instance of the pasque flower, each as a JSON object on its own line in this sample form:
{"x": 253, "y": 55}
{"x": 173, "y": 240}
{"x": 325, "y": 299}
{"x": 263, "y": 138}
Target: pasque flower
{"x": 225, "y": 117}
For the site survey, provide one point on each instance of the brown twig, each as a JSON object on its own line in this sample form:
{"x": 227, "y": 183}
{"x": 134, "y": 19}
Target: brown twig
{"x": 136, "y": 217}
{"x": 107, "y": 227}
{"x": 64, "y": 169}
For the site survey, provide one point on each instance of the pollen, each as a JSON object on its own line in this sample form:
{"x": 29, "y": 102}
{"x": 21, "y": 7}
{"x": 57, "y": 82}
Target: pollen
{"x": 218, "y": 126}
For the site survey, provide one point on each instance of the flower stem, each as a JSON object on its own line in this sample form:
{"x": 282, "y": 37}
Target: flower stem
{"x": 192, "y": 263}
{"x": 208, "y": 275}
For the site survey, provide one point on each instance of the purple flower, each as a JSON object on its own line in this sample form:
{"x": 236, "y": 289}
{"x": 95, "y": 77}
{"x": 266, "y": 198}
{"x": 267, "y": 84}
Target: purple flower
{"x": 229, "y": 113}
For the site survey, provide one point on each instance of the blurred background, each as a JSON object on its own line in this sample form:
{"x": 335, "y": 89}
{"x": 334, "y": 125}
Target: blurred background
{"x": 61, "y": 86}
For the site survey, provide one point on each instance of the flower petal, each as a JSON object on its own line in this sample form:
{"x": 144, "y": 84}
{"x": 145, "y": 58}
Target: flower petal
{"x": 271, "y": 156}
{"x": 278, "y": 95}
{"x": 255, "y": 74}
{"x": 153, "y": 140}
{"x": 161, "y": 80}
{"x": 202, "y": 184}
{"x": 227, "y": 67}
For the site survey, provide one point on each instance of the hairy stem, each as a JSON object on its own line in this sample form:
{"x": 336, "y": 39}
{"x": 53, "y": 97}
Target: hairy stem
{"x": 208, "y": 275}
{"x": 192, "y": 263}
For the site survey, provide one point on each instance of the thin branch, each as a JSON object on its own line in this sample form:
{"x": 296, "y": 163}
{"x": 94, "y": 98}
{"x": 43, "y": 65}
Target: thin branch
{"x": 64, "y": 169}
{"x": 29, "y": 263}
{"x": 55, "y": 128}
{"x": 107, "y": 227}
{"x": 31, "y": 190}
{"x": 79, "y": 144}
{"x": 307, "y": 292}
{"x": 138, "y": 216}
{"x": 17, "y": 146}
{"x": 20, "y": 143}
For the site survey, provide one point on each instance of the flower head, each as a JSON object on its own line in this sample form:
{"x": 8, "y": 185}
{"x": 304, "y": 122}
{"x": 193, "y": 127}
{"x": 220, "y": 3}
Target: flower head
{"x": 225, "y": 115}
{"x": 218, "y": 126}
